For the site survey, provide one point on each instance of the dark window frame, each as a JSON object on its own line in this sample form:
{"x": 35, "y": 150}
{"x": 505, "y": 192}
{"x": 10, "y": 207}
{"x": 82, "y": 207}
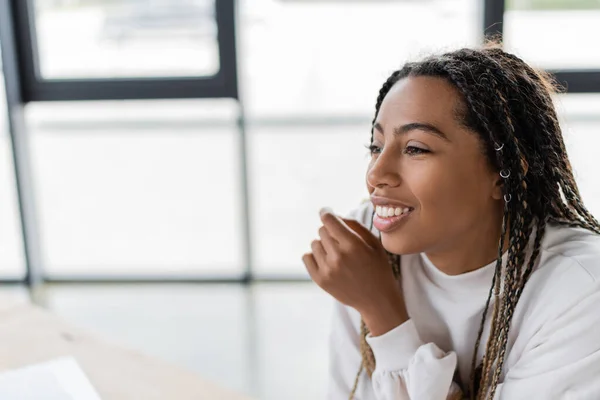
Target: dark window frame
{"x": 573, "y": 80}
{"x": 35, "y": 88}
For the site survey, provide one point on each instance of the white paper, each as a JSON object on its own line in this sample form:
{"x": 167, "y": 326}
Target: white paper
{"x": 59, "y": 379}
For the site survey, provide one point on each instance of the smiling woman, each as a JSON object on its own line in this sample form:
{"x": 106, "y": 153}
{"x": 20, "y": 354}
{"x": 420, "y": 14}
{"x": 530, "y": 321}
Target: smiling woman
{"x": 475, "y": 233}
{"x": 426, "y": 163}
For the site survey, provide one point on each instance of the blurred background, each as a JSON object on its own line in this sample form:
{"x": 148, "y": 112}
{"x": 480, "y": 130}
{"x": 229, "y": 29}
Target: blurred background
{"x": 162, "y": 162}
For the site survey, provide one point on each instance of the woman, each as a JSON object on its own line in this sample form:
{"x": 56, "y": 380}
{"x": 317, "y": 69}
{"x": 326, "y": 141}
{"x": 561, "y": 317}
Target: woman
{"x": 478, "y": 277}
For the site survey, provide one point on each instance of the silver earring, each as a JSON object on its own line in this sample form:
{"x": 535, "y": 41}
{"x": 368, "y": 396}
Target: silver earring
{"x": 505, "y": 173}
{"x": 507, "y": 199}
{"x": 498, "y": 147}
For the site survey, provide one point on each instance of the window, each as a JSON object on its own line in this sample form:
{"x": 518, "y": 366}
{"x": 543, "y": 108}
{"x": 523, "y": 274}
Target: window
{"x": 580, "y": 115}
{"x": 295, "y": 61}
{"x": 147, "y": 188}
{"x": 554, "y": 34}
{"x": 126, "y": 38}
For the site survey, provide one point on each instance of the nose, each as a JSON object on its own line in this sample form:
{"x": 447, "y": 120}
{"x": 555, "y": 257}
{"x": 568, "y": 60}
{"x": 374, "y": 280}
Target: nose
{"x": 384, "y": 171}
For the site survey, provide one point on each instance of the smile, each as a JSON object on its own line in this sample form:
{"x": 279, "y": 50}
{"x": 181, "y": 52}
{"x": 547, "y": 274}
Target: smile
{"x": 387, "y": 219}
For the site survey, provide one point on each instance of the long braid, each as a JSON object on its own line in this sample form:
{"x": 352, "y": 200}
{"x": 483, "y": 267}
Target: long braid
{"x": 541, "y": 228}
{"x": 508, "y": 104}
{"x": 496, "y": 291}
{"x": 500, "y": 306}
{"x": 521, "y": 225}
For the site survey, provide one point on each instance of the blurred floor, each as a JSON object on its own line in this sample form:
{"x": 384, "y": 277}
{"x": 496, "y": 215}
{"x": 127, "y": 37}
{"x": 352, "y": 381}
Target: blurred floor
{"x": 266, "y": 340}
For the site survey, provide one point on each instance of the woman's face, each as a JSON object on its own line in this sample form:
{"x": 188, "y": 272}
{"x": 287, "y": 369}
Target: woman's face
{"x": 427, "y": 163}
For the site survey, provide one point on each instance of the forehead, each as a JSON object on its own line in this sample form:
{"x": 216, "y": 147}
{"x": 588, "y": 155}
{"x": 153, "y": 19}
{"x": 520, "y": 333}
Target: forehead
{"x": 421, "y": 99}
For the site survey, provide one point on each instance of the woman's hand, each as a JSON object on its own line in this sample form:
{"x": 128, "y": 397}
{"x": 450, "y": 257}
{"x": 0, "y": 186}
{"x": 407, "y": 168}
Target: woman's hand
{"x": 350, "y": 263}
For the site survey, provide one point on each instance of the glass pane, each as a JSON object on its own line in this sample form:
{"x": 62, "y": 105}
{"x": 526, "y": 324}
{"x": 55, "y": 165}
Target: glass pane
{"x": 331, "y": 58}
{"x": 12, "y": 260}
{"x": 137, "y": 188}
{"x": 581, "y": 127}
{"x": 126, "y": 38}
{"x": 296, "y": 171}
{"x": 554, "y": 34}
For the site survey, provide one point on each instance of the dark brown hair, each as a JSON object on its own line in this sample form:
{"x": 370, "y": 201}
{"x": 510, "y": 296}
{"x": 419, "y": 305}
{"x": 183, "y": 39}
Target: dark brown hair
{"x": 509, "y": 106}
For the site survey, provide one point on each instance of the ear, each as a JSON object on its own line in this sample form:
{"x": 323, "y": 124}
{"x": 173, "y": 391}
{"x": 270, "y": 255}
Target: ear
{"x": 498, "y": 187}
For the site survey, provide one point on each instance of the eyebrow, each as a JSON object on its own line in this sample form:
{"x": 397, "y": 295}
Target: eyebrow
{"x": 404, "y": 129}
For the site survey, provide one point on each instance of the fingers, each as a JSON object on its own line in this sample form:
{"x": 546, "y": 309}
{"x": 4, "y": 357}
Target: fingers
{"x": 319, "y": 254}
{"x": 337, "y": 228}
{"x": 329, "y": 243}
{"x": 316, "y": 260}
{"x": 363, "y": 232}
{"x": 346, "y": 231}
{"x": 311, "y": 265}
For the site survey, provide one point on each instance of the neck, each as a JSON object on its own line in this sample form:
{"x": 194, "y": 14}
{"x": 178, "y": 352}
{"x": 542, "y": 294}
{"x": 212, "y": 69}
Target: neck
{"x": 474, "y": 249}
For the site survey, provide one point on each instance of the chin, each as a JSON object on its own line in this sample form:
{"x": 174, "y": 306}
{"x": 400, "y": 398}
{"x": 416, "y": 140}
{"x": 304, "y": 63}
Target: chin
{"x": 398, "y": 244}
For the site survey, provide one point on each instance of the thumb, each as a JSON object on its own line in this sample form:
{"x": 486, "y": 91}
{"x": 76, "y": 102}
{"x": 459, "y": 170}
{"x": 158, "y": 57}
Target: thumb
{"x": 363, "y": 232}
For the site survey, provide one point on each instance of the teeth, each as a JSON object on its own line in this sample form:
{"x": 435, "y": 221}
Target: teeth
{"x": 386, "y": 212}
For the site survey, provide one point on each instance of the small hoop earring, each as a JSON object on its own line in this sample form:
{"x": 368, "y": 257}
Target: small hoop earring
{"x": 504, "y": 174}
{"x": 507, "y": 200}
{"x": 498, "y": 148}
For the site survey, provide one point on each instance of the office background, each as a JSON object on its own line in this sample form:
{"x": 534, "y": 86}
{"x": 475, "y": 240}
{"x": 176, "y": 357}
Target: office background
{"x": 162, "y": 162}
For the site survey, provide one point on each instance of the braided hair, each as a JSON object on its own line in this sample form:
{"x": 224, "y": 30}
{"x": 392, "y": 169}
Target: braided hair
{"x": 509, "y": 106}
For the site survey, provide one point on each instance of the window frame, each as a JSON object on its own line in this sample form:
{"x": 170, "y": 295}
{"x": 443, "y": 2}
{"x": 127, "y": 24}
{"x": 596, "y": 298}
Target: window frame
{"x": 35, "y": 88}
{"x": 573, "y": 80}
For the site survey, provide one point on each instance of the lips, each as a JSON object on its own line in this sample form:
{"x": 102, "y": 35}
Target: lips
{"x": 389, "y": 213}
{"x": 389, "y": 202}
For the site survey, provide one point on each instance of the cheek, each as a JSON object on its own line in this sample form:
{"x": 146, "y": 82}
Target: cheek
{"x": 369, "y": 187}
{"x": 433, "y": 188}
{"x": 445, "y": 193}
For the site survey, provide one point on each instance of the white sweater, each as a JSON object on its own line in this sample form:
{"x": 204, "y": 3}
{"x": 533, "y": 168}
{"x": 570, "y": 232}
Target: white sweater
{"x": 553, "y": 349}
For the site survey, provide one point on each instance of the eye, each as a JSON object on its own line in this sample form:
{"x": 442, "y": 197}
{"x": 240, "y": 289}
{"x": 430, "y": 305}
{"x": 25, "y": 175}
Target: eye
{"x": 374, "y": 149}
{"x": 413, "y": 151}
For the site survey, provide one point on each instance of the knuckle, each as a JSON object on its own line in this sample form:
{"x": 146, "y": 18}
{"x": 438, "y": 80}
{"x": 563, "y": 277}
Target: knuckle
{"x": 335, "y": 261}
{"x": 315, "y": 244}
{"x": 327, "y": 276}
{"x": 347, "y": 247}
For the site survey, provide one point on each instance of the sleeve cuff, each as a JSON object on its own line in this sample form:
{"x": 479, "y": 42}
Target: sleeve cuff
{"x": 394, "y": 350}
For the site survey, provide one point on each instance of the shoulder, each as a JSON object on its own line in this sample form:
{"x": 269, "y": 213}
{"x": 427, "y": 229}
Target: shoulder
{"x": 567, "y": 275}
{"x": 571, "y": 256}
{"x": 576, "y": 249}
{"x": 559, "y": 316}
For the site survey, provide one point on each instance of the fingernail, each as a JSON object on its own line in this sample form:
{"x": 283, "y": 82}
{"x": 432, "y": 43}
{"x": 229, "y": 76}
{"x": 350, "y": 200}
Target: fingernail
{"x": 325, "y": 210}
